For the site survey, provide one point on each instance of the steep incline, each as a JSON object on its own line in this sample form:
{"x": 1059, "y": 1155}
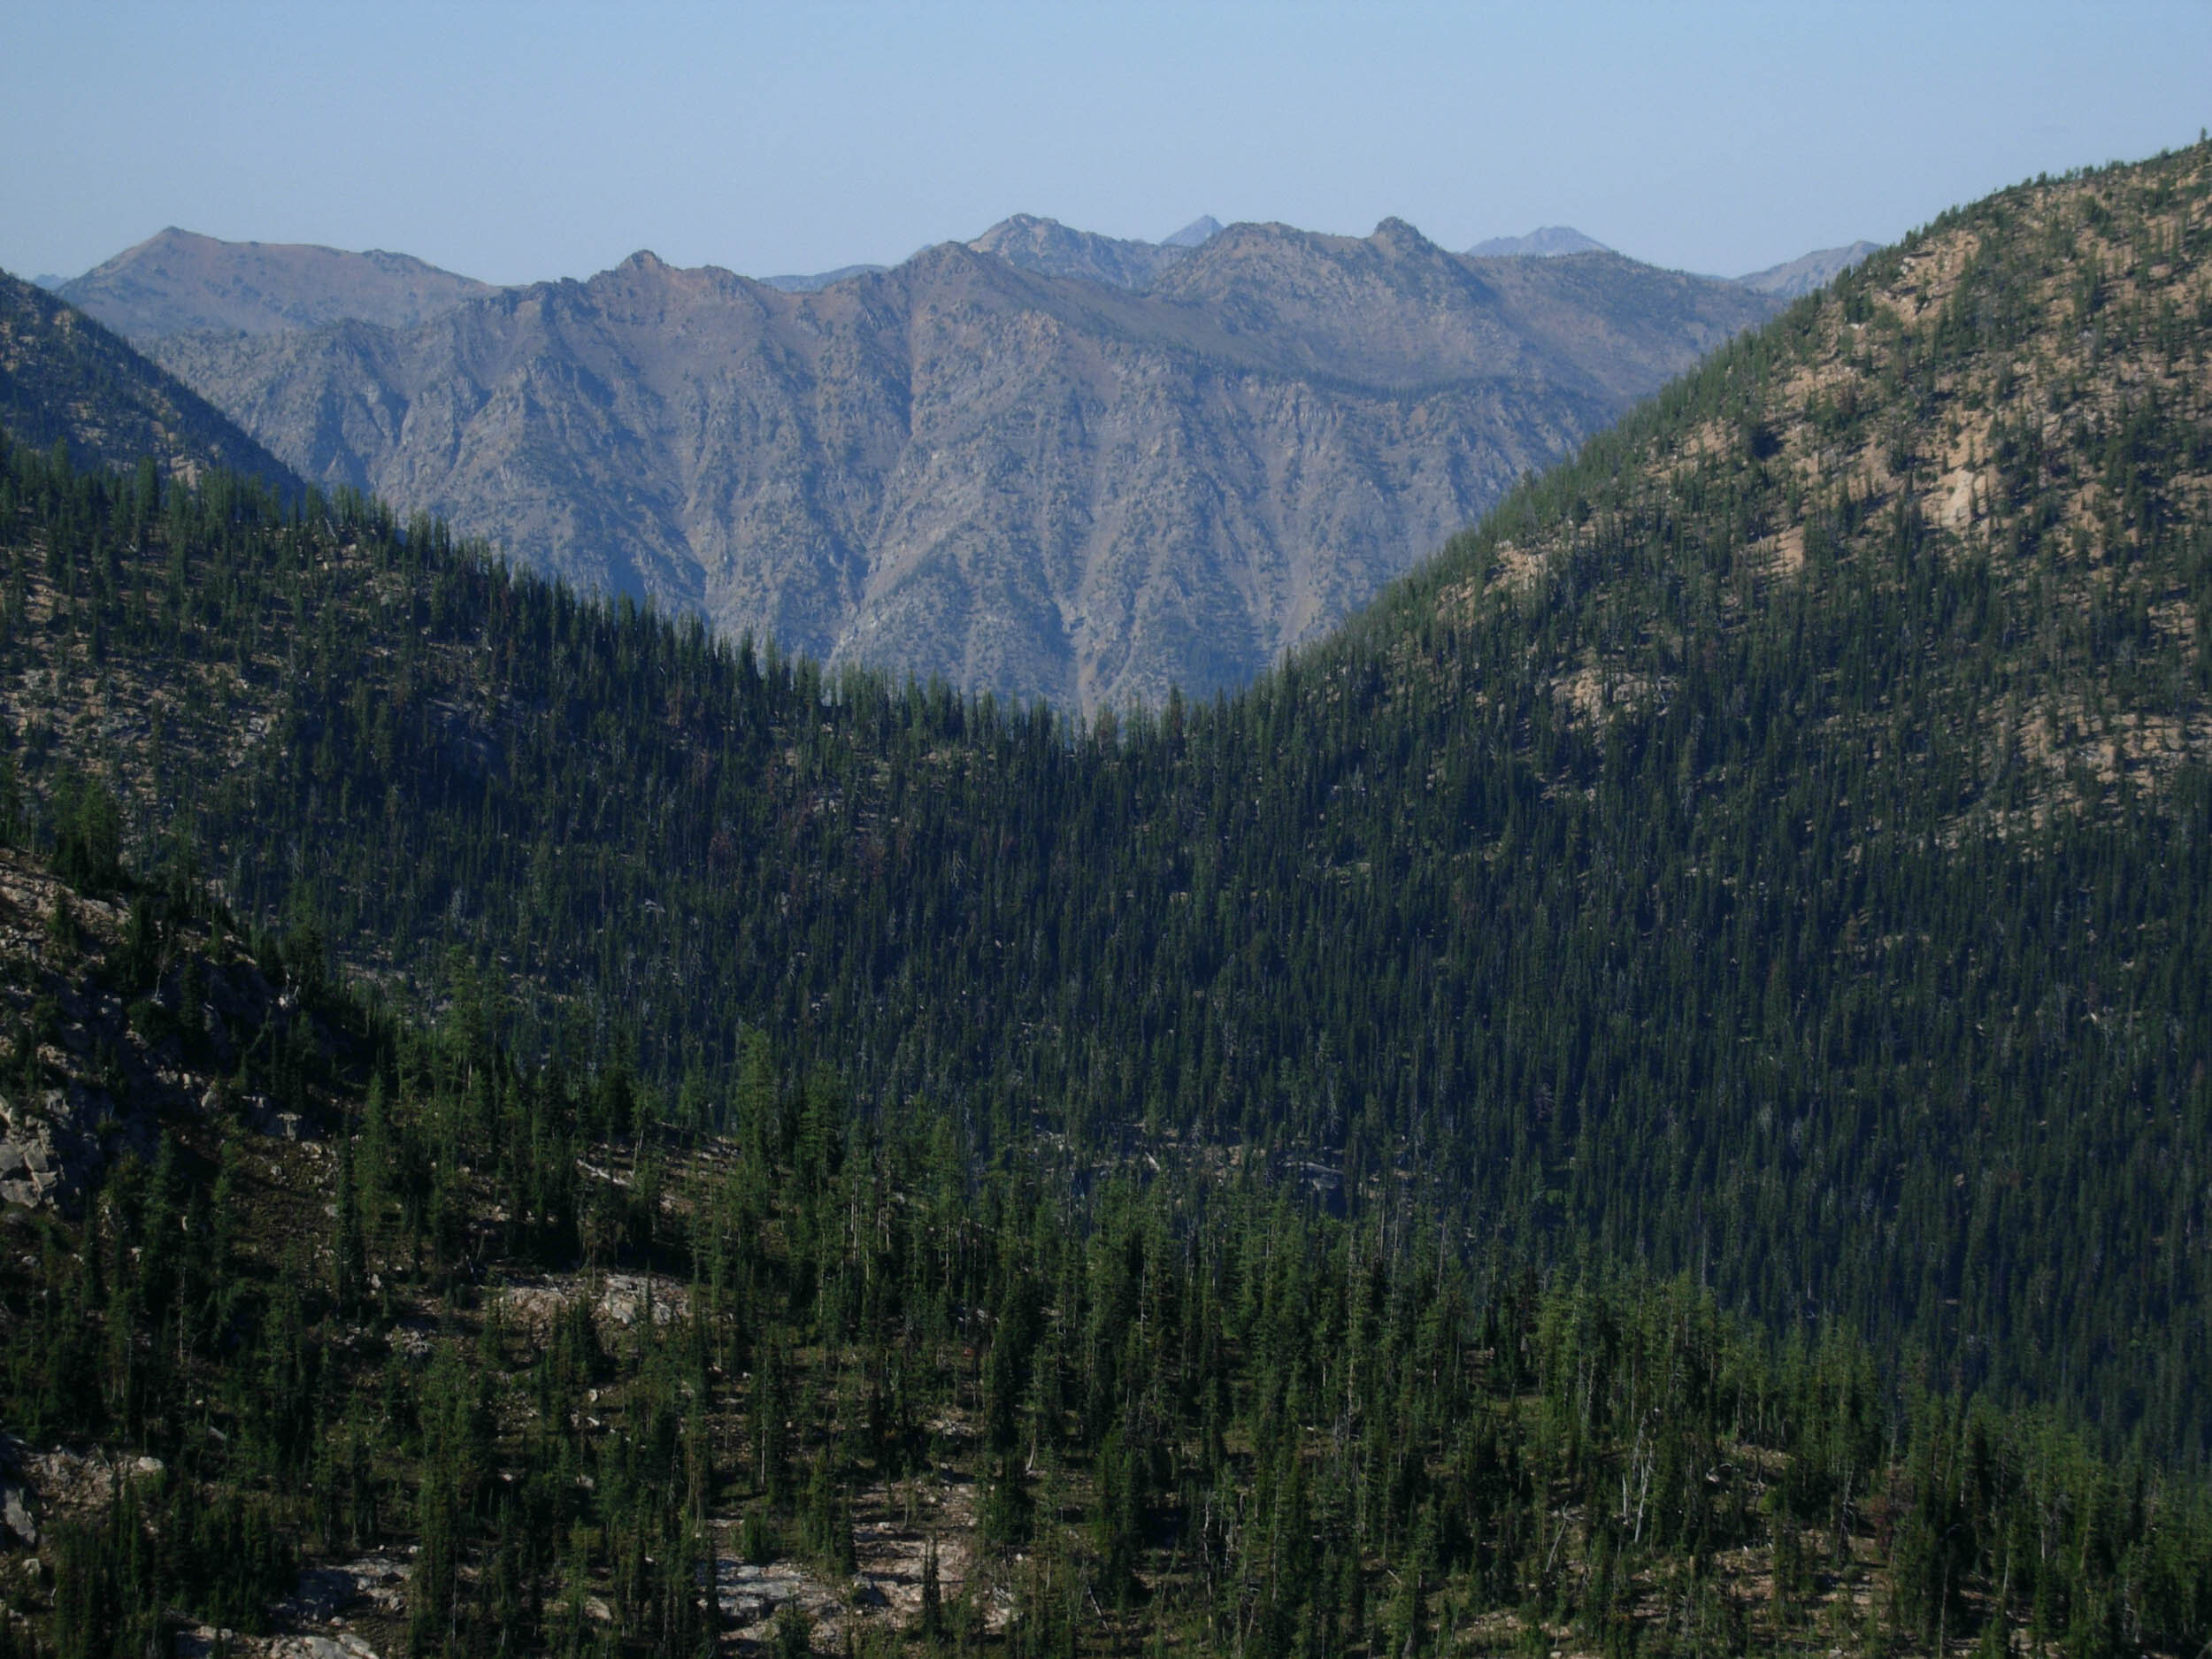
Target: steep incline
{"x": 65, "y": 379}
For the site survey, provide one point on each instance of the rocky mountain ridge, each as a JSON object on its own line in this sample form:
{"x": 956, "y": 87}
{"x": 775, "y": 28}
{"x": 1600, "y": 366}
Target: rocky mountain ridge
{"x": 1016, "y": 480}
{"x": 1056, "y": 249}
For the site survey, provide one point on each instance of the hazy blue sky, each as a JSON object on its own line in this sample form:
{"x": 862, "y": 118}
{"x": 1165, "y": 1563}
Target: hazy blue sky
{"x": 515, "y": 141}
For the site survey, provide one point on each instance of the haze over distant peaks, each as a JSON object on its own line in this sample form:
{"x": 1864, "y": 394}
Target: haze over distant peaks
{"x": 820, "y": 280}
{"x": 178, "y": 282}
{"x": 1195, "y": 235}
{"x": 1808, "y": 271}
{"x": 1036, "y": 243}
{"x": 1546, "y": 243}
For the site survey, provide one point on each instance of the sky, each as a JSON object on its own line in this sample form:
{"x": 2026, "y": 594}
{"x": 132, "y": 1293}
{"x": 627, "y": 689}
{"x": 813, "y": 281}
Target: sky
{"x": 517, "y": 143}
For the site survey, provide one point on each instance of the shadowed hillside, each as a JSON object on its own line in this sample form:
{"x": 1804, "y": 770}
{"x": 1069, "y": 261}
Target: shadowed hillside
{"x": 64, "y": 379}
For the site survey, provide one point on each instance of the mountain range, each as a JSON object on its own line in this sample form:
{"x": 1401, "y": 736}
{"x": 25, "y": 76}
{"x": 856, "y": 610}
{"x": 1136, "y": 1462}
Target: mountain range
{"x": 1646, "y": 1094}
{"x": 1044, "y": 464}
{"x": 1654, "y": 800}
{"x": 1789, "y": 281}
{"x": 1165, "y": 526}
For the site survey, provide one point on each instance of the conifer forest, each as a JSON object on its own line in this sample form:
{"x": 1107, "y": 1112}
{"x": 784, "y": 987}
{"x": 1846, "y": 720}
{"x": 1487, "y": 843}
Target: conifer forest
{"x": 1648, "y": 1096}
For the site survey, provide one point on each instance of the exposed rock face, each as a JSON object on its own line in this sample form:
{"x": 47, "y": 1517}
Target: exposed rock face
{"x": 17, "y": 1514}
{"x": 177, "y": 282}
{"x": 51, "y": 1144}
{"x": 1033, "y": 484}
{"x": 1808, "y": 271}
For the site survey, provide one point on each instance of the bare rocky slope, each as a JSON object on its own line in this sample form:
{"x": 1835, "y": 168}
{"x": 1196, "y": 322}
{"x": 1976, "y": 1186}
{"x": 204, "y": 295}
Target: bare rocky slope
{"x": 1019, "y": 481}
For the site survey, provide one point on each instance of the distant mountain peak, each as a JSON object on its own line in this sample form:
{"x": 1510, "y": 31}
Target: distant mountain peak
{"x": 1199, "y": 232}
{"x": 1546, "y": 242}
{"x": 815, "y": 281}
{"x": 1033, "y": 242}
{"x": 179, "y": 281}
{"x": 1397, "y": 235}
{"x": 1808, "y": 271}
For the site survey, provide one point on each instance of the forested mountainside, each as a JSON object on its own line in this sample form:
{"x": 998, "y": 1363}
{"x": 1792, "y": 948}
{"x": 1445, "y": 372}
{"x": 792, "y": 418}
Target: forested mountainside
{"x": 65, "y": 379}
{"x": 475, "y": 1355}
{"x": 1017, "y": 481}
{"x": 177, "y": 282}
{"x": 1767, "y": 849}
{"x": 1741, "y": 912}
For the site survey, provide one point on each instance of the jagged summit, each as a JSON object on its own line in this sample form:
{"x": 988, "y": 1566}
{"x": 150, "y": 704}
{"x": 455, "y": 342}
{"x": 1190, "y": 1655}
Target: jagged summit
{"x": 1395, "y": 233}
{"x": 1036, "y": 243}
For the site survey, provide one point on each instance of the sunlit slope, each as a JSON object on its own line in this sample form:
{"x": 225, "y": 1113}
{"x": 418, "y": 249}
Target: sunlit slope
{"x": 1999, "y": 429}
